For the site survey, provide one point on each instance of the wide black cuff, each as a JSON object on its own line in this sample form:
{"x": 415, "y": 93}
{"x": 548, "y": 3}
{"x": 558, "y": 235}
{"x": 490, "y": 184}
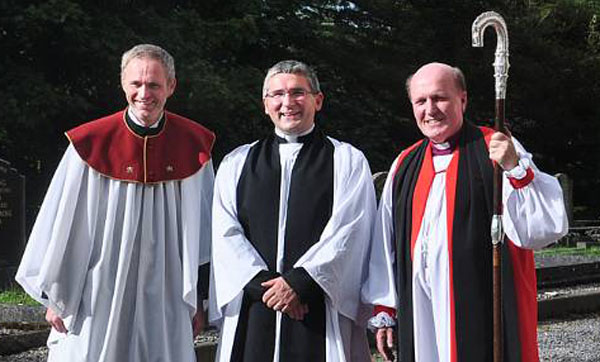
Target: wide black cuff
{"x": 203, "y": 276}
{"x": 253, "y": 289}
{"x": 302, "y": 283}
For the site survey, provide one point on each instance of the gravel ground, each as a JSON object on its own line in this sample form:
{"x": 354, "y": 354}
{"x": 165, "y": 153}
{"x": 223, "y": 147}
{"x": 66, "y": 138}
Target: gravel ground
{"x": 40, "y": 354}
{"x": 575, "y": 340}
{"x": 572, "y": 340}
{"x": 33, "y": 355}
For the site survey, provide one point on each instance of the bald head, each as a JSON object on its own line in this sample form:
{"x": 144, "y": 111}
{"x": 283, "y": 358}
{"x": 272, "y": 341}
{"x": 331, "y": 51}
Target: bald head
{"x": 454, "y": 72}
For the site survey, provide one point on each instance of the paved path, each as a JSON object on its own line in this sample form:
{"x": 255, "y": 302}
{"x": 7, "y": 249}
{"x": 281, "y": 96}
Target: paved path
{"x": 543, "y": 261}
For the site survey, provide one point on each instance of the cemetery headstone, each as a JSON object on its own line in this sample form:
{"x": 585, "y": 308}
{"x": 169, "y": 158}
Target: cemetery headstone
{"x": 567, "y": 186}
{"x": 12, "y": 221}
{"x": 379, "y": 181}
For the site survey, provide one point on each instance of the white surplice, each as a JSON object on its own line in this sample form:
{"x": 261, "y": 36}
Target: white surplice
{"x": 533, "y": 217}
{"x": 118, "y": 261}
{"x": 336, "y": 262}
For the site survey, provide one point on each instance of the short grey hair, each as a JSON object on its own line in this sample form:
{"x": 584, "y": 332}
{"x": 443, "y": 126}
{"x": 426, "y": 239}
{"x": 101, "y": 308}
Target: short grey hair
{"x": 149, "y": 51}
{"x": 292, "y": 67}
{"x": 458, "y": 75}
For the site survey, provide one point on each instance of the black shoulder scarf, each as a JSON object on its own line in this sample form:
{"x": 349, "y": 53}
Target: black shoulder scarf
{"x": 471, "y": 254}
{"x": 309, "y": 209}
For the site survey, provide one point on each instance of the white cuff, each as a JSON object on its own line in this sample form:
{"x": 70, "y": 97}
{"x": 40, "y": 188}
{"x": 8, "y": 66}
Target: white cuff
{"x": 381, "y": 320}
{"x": 519, "y": 171}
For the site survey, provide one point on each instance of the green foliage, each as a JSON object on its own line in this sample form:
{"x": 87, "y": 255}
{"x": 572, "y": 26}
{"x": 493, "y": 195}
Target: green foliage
{"x": 61, "y": 67}
{"x": 16, "y": 295}
{"x": 561, "y": 250}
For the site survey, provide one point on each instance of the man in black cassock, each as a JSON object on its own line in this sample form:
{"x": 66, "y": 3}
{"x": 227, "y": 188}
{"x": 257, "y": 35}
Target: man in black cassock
{"x": 291, "y": 226}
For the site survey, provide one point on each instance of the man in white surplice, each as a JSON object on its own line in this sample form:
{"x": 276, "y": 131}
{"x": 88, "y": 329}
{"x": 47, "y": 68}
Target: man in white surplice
{"x": 431, "y": 264}
{"x": 292, "y": 217}
{"x": 116, "y": 247}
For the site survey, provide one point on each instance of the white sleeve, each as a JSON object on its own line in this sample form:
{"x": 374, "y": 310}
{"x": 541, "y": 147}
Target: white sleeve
{"x": 60, "y": 233}
{"x": 380, "y": 287}
{"x": 534, "y": 216}
{"x": 234, "y": 260}
{"x": 337, "y": 262}
{"x": 196, "y": 205}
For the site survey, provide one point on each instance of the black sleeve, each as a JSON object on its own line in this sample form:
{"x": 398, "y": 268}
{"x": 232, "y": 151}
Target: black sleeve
{"x": 253, "y": 289}
{"x": 302, "y": 283}
{"x": 203, "y": 276}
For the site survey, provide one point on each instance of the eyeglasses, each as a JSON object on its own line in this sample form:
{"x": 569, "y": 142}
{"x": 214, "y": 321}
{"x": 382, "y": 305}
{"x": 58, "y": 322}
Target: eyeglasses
{"x": 296, "y": 94}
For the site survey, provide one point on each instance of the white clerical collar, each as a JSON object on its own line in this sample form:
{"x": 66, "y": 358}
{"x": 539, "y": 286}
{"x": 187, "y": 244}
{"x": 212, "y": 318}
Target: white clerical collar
{"x": 135, "y": 120}
{"x": 293, "y": 138}
{"x": 441, "y": 146}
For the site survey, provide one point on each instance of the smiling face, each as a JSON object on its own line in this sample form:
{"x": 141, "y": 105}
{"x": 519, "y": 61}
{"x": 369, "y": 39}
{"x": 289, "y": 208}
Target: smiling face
{"x": 292, "y": 114}
{"x": 147, "y": 87}
{"x": 437, "y": 101}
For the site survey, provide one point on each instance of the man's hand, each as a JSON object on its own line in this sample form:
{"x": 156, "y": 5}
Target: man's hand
{"x": 385, "y": 343}
{"x": 55, "y": 321}
{"x": 279, "y": 296}
{"x": 502, "y": 150}
{"x": 198, "y": 322}
{"x": 296, "y": 312}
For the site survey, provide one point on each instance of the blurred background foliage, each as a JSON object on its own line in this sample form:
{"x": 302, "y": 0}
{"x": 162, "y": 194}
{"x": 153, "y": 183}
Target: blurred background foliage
{"x": 60, "y": 67}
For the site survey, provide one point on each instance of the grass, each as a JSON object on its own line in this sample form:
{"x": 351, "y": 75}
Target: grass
{"x": 15, "y": 295}
{"x": 563, "y": 250}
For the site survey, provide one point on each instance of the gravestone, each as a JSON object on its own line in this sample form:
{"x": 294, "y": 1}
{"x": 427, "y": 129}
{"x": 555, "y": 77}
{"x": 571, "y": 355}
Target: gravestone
{"x": 12, "y": 221}
{"x": 379, "y": 182}
{"x": 567, "y": 186}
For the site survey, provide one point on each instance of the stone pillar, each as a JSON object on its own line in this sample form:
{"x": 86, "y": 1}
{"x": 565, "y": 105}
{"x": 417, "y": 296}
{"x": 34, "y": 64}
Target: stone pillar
{"x": 379, "y": 181}
{"x": 12, "y": 221}
{"x": 567, "y": 187}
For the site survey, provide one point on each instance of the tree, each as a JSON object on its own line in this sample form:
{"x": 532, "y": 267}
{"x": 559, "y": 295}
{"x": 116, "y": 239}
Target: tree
{"x": 61, "y": 68}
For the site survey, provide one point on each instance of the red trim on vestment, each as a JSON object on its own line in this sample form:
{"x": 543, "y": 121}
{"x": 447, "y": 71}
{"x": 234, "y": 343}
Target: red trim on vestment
{"x": 401, "y": 158}
{"x": 382, "y": 308}
{"x": 520, "y": 183}
{"x": 525, "y": 281}
{"x": 420, "y": 196}
{"x": 451, "y": 178}
{"x": 404, "y": 153}
{"x": 487, "y": 134}
{"x": 108, "y": 146}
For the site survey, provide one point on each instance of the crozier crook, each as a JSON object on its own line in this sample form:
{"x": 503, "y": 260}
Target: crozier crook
{"x": 501, "y": 66}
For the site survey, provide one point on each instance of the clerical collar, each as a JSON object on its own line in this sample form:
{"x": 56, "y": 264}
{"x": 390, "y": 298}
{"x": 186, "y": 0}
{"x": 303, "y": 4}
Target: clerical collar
{"x": 441, "y": 149}
{"x": 444, "y": 148}
{"x": 282, "y": 137}
{"x": 140, "y": 129}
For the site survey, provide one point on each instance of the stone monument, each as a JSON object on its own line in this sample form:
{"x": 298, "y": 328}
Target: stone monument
{"x": 379, "y": 181}
{"x": 12, "y": 221}
{"x": 567, "y": 186}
